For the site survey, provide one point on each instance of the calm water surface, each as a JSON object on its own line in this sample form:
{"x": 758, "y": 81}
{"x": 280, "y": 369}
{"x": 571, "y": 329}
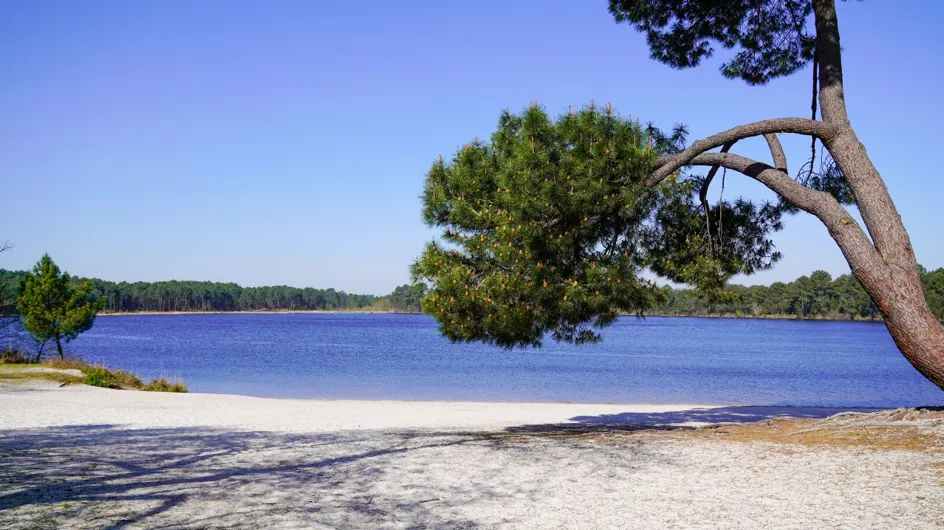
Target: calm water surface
{"x": 657, "y": 360}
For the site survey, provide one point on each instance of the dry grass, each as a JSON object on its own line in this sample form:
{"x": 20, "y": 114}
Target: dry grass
{"x": 867, "y": 431}
{"x": 163, "y": 385}
{"x": 13, "y": 356}
{"x": 821, "y": 433}
{"x": 14, "y": 373}
{"x": 65, "y": 364}
{"x": 93, "y": 375}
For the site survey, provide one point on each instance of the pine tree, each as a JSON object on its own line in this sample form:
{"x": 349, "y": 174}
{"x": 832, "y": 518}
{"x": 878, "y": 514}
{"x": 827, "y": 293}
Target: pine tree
{"x": 53, "y": 308}
{"x": 537, "y": 220}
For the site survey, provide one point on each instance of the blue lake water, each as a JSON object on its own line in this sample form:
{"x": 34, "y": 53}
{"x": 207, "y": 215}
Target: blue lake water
{"x": 381, "y": 356}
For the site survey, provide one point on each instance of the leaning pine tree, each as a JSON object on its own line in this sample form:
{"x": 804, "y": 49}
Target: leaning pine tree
{"x": 548, "y": 226}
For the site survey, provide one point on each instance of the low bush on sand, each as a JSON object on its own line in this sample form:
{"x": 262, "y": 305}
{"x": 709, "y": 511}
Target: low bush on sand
{"x": 13, "y": 356}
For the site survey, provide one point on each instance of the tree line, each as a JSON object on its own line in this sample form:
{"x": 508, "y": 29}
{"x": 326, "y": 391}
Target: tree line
{"x": 815, "y": 296}
{"x": 187, "y": 296}
{"x": 818, "y": 295}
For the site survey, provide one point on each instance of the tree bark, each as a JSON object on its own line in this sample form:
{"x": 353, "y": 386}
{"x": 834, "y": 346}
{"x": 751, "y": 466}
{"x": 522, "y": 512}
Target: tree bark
{"x": 883, "y": 260}
{"x": 895, "y": 282}
{"x": 915, "y": 330}
{"x": 59, "y": 348}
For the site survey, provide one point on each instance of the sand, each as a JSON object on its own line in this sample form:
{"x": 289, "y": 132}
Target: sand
{"x": 80, "y": 457}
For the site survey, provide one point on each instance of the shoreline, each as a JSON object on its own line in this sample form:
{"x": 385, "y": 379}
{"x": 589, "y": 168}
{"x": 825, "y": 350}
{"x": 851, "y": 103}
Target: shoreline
{"x": 364, "y": 312}
{"x": 285, "y": 312}
{"x": 35, "y": 405}
{"x": 38, "y": 404}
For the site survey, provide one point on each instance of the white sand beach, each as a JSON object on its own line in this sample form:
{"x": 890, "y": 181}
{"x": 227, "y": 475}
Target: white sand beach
{"x": 81, "y": 457}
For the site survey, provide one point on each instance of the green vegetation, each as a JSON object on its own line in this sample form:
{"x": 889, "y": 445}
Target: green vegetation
{"x": 53, "y": 307}
{"x": 186, "y": 296}
{"x": 813, "y": 296}
{"x": 404, "y": 299}
{"x": 92, "y": 375}
{"x": 807, "y": 297}
{"x": 163, "y": 385}
{"x": 548, "y": 225}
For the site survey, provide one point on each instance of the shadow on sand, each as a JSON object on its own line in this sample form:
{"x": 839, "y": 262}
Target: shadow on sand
{"x": 106, "y": 476}
{"x": 103, "y": 476}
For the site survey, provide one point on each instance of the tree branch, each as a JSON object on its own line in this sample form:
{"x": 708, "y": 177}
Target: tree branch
{"x": 852, "y": 240}
{"x": 776, "y": 151}
{"x": 703, "y": 193}
{"x": 804, "y": 126}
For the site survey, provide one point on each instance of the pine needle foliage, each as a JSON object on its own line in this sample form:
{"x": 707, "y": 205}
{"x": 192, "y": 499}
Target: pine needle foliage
{"x": 548, "y": 227}
{"x": 52, "y": 307}
{"x": 770, "y": 36}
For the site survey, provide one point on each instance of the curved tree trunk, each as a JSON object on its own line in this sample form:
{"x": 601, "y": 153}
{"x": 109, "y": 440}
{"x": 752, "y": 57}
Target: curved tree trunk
{"x": 916, "y": 331}
{"x": 893, "y": 280}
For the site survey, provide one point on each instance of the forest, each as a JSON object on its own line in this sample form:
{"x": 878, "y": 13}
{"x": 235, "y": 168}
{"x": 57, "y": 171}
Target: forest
{"x": 188, "y": 296}
{"x": 815, "y": 296}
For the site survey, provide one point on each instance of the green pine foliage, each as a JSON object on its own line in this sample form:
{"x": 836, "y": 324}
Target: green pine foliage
{"x": 548, "y": 227}
{"x": 533, "y": 240}
{"x": 54, "y": 308}
{"x": 770, "y": 36}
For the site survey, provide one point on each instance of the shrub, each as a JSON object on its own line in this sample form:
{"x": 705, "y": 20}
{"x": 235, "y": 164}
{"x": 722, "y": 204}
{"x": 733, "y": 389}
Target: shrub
{"x": 12, "y": 356}
{"x": 163, "y": 385}
{"x": 68, "y": 364}
{"x": 101, "y": 376}
{"x": 98, "y": 376}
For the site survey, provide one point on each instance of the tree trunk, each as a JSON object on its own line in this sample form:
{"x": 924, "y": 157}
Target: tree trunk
{"x": 916, "y": 331}
{"x": 893, "y": 280}
{"x": 59, "y": 348}
{"x": 39, "y": 351}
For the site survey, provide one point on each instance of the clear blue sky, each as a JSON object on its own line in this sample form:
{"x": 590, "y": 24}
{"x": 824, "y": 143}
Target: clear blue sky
{"x": 286, "y": 142}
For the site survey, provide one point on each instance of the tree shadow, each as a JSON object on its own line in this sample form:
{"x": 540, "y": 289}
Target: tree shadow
{"x": 103, "y": 476}
{"x": 684, "y": 419}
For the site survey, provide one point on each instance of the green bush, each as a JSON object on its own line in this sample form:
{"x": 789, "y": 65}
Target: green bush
{"x": 100, "y": 377}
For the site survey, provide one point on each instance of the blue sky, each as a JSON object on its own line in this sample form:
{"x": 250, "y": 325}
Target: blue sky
{"x": 286, "y": 142}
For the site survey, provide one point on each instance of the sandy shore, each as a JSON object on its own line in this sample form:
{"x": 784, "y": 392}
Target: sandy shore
{"x": 79, "y": 457}
{"x": 50, "y": 406}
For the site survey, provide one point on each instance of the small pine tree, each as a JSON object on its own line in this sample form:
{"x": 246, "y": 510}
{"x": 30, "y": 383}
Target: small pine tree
{"x": 53, "y": 307}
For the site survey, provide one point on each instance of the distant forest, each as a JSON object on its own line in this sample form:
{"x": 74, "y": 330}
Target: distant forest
{"x": 171, "y": 296}
{"x": 815, "y": 296}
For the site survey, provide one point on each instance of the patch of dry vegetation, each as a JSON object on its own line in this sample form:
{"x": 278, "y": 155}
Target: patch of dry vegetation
{"x": 93, "y": 375}
{"x": 920, "y": 430}
{"x": 825, "y": 433}
{"x": 15, "y": 373}
{"x": 13, "y": 356}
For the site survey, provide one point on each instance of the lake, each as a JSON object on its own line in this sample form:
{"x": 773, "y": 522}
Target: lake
{"x": 385, "y": 356}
